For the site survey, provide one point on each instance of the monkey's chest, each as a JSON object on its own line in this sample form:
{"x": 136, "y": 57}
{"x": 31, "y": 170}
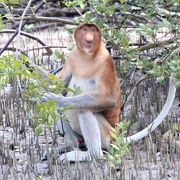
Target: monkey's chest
{"x": 81, "y": 85}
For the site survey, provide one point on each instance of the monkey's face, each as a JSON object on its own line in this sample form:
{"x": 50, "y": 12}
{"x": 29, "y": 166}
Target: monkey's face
{"x": 87, "y": 37}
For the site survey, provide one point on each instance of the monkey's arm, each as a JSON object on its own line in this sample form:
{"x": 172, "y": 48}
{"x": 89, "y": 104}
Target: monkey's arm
{"x": 65, "y": 74}
{"x": 86, "y": 101}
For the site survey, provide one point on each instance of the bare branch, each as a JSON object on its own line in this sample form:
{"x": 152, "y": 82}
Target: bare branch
{"x": 40, "y": 18}
{"x": 168, "y": 13}
{"x": 44, "y": 47}
{"x": 169, "y": 56}
{"x": 31, "y": 37}
{"x": 14, "y": 50}
{"x": 15, "y": 34}
{"x": 134, "y": 89}
{"x": 156, "y": 44}
{"x": 21, "y": 22}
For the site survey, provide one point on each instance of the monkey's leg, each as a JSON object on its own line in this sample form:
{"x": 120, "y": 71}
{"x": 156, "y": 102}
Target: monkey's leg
{"x": 105, "y": 129}
{"x": 91, "y": 133}
{"x": 71, "y": 139}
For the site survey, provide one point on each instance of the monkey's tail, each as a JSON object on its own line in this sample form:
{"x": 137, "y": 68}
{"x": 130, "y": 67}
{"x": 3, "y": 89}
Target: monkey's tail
{"x": 164, "y": 112}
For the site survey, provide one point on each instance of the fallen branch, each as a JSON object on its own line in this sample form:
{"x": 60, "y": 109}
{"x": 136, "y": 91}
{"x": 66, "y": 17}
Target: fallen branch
{"x": 36, "y": 174}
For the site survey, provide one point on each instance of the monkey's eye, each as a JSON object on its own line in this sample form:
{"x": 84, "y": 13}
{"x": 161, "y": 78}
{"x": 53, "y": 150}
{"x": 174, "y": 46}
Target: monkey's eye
{"x": 85, "y": 28}
{"x": 93, "y": 29}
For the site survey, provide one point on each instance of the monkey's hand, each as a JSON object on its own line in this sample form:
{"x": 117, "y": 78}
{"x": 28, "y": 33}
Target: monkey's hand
{"x": 51, "y": 96}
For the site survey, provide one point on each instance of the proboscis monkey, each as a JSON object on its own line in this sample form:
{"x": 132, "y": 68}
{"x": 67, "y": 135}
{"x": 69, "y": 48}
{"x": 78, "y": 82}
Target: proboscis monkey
{"x": 96, "y": 108}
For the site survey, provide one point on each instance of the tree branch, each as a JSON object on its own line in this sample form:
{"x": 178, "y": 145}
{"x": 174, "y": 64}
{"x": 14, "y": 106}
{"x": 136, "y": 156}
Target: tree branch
{"x": 44, "y": 47}
{"x": 31, "y": 37}
{"x": 15, "y": 34}
{"x": 168, "y": 13}
{"x": 40, "y": 18}
{"x": 134, "y": 89}
{"x": 169, "y": 56}
{"x": 156, "y": 44}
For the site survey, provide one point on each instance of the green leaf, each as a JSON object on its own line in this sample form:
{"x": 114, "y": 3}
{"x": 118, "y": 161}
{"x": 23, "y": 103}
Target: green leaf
{"x": 113, "y": 135}
{"x": 2, "y": 26}
{"x": 29, "y": 26}
{"x": 121, "y": 1}
{"x": 52, "y": 76}
{"x": 82, "y": 5}
{"x": 38, "y": 130}
{"x": 115, "y": 147}
{"x": 10, "y": 1}
{"x": 160, "y": 79}
{"x": 50, "y": 120}
{"x": 178, "y": 84}
{"x": 136, "y": 124}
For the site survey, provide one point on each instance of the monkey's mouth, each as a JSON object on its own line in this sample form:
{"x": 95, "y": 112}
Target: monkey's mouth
{"x": 88, "y": 45}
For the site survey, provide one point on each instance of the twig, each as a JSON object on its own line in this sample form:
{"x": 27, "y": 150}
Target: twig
{"x": 40, "y": 18}
{"x": 169, "y": 56}
{"x": 78, "y": 11}
{"x": 21, "y": 23}
{"x": 134, "y": 89}
{"x": 15, "y": 34}
{"x": 7, "y": 10}
{"x": 14, "y": 49}
{"x": 31, "y": 37}
{"x": 168, "y": 13}
{"x": 44, "y": 47}
{"x": 38, "y": 177}
{"x": 156, "y": 44}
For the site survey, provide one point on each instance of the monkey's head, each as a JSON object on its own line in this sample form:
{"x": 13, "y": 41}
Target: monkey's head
{"x": 88, "y": 37}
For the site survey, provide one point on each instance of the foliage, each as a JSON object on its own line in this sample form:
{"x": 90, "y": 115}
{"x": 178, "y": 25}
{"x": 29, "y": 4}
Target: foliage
{"x": 119, "y": 148}
{"x": 10, "y": 1}
{"x": 114, "y": 18}
{"x": 2, "y": 26}
{"x": 10, "y": 68}
{"x": 14, "y": 69}
{"x": 119, "y": 21}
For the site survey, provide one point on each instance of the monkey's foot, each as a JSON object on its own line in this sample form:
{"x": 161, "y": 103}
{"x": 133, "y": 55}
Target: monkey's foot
{"x": 76, "y": 156}
{"x": 54, "y": 153}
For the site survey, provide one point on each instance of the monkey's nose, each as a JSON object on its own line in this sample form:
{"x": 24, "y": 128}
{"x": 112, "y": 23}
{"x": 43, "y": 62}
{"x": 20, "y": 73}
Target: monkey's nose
{"x": 89, "y": 38}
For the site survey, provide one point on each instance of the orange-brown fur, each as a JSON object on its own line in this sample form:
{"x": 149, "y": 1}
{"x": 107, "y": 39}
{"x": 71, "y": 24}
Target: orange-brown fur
{"x": 96, "y": 63}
